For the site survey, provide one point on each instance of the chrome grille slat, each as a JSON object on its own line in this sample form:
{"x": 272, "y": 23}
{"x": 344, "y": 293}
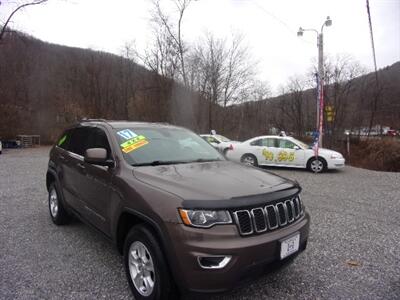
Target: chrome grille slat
{"x": 290, "y": 210}
{"x": 244, "y": 222}
{"x": 259, "y": 220}
{"x": 282, "y": 219}
{"x": 270, "y": 217}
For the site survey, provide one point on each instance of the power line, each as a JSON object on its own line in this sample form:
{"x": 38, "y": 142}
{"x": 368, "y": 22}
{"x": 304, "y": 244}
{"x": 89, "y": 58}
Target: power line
{"x": 279, "y": 20}
{"x": 372, "y": 40}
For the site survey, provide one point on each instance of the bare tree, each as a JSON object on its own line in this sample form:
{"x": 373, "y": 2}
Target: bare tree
{"x": 292, "y": 107}
{"x": 170, "y": 43}
{"x": 223, "y": 73}
{"x": 340, "y": 76}
{"x": 14, "y": 11}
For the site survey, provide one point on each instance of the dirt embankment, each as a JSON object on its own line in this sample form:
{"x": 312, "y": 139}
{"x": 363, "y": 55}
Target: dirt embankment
{"x": 375, "y": 154}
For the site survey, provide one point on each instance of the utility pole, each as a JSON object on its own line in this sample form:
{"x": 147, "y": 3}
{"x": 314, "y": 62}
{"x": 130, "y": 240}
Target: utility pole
{"x": 321, "y": 75}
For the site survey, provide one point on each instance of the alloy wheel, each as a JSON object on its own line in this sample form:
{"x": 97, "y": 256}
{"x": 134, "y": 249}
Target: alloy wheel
{"x": 53, "y": 203}
{"x": 317, "y": 166}
{"x": 141, "y": 268}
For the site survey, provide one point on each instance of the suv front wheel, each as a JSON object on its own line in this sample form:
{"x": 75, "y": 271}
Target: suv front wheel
{"x": 145, "y": 266}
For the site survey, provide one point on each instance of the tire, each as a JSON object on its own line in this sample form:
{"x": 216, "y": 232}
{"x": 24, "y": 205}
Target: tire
{"x": 249, "y": 159}
{"x": 318, "y": 165}
{"x": 144, "y": 259}
{"x": 58, "y": 214}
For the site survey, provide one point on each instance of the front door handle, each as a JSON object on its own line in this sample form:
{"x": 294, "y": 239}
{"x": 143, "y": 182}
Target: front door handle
{"x": 81, "y": 166}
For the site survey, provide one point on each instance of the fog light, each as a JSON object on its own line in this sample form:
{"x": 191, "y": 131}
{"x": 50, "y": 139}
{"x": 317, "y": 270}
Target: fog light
{"x": 213, "y": 262}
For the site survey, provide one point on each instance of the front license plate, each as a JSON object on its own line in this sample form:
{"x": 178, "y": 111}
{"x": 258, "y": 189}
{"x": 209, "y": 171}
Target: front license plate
{"x": 290, "y": 245}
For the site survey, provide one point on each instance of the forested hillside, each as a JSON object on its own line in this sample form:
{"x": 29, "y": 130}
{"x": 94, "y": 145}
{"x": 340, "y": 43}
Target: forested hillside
{"x": 45, "y": 87}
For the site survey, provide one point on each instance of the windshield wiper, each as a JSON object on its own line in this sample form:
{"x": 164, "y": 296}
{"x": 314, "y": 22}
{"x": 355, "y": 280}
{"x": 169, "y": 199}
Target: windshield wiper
{"x": 159, "y": 163}
{"x": 173, "y": 162}
{"x": 205, "y": 160}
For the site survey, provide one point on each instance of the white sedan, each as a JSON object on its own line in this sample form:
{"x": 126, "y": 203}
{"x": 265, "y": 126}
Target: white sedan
{"x": 219, "y": 142}
{"x": 284, "y": 151}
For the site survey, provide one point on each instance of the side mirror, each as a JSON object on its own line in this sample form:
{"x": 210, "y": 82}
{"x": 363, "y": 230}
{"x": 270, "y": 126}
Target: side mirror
{"x": 296, "y": 147}
{"x": 98, "y": 156}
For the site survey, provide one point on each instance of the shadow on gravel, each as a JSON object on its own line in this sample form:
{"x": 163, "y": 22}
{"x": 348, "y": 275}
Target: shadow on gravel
{"x": 299, "y": 170}
{"x": 264, "y": 274}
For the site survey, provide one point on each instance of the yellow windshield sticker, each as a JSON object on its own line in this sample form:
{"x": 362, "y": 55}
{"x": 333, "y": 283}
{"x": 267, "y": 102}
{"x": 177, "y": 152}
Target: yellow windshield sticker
{"x": 135, "y": 146}
{"x": 133, "y": 141}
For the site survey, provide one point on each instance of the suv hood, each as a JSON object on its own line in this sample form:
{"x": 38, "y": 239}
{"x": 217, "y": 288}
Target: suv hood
{"x": 212, "y": 180}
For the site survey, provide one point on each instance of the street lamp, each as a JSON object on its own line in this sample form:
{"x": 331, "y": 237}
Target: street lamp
{"x": 320, "y": 45}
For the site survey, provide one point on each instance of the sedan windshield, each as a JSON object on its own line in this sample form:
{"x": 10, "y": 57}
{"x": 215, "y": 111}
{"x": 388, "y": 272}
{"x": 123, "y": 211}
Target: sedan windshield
{"x": 222, "y": 138}
{"x": 143, "y": 146}
{"x": 301, "y": 144}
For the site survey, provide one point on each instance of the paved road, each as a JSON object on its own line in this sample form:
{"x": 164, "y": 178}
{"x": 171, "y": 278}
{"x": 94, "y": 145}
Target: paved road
{"x": 353, "y": 251}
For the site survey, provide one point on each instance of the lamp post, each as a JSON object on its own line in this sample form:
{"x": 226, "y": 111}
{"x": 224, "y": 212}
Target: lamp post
{"x": 320, "y": 102}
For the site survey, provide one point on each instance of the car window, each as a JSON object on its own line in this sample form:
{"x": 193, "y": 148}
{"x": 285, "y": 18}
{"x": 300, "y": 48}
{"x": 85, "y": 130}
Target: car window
{"x": 256, "y": 143}
{"x": 286, "y": 144}
{"x": 268, "y": 142}
{"x": 64, "y": 140}
{"x": 98, "y": 139}
{"x": 79, "y": 140}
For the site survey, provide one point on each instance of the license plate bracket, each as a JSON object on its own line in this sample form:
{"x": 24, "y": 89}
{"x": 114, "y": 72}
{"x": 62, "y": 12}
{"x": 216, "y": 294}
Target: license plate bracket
{"x": 289, "y": 245}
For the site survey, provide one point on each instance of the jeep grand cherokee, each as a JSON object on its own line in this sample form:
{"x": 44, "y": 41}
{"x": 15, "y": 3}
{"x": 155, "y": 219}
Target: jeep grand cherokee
{"x": 183, "y": 216}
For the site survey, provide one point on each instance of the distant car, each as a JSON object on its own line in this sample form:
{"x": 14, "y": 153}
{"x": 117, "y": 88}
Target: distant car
{"x": 284, "y": 151}
{"x": 391, "y": 132}
{"x": 219, "y": 142}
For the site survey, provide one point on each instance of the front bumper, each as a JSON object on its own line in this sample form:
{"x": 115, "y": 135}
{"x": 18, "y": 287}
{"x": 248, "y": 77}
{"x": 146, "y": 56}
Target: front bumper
{"x": 248, "y": 253}
{"x": 336, "y": 163}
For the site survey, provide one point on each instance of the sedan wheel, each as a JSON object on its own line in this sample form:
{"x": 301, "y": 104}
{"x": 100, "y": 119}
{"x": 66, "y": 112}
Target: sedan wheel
{"x": 249, "y": 159}
{"x": 317, "y": 166}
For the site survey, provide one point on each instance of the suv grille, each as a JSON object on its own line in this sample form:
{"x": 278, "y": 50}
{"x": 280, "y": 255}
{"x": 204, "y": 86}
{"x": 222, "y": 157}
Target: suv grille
{"x": 270, "y": 217}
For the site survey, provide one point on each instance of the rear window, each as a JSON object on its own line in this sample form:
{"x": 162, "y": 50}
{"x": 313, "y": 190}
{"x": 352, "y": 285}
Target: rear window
{"x": 64, "y": 140}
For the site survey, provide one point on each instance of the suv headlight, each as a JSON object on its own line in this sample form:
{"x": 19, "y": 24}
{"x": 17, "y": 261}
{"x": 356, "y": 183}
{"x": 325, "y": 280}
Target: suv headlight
{"x": 204, "y": 218}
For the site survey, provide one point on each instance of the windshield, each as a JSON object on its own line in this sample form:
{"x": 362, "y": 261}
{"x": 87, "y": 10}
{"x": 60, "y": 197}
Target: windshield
{"x": 222, "y": 138}
{"x": 301, "y": 144}
{"x": 164, "y": 145}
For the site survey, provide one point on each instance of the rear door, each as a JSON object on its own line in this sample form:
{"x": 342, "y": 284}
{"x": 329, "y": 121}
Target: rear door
{"x": 264, "y": 150}
{"x": 72, "y": 165}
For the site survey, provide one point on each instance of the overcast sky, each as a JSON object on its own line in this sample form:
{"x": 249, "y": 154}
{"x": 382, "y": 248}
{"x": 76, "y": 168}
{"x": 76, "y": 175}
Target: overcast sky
{"x": 269, "y": 28}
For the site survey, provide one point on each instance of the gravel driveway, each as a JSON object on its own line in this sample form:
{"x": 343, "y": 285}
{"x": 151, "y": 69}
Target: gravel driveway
{"x": 353, "y": 250}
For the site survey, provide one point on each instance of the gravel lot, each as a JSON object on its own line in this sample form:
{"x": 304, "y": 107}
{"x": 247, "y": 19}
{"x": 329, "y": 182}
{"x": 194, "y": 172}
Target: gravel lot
{"x": 353, "y": 250}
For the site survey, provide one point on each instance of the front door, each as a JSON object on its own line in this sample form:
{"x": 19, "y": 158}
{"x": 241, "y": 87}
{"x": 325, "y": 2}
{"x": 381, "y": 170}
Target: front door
{"x": 94, "y": 187}
{"x": 288, "y": 153}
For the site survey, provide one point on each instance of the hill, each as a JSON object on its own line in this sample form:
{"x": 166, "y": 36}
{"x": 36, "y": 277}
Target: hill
{"x": 45, "y": 87}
